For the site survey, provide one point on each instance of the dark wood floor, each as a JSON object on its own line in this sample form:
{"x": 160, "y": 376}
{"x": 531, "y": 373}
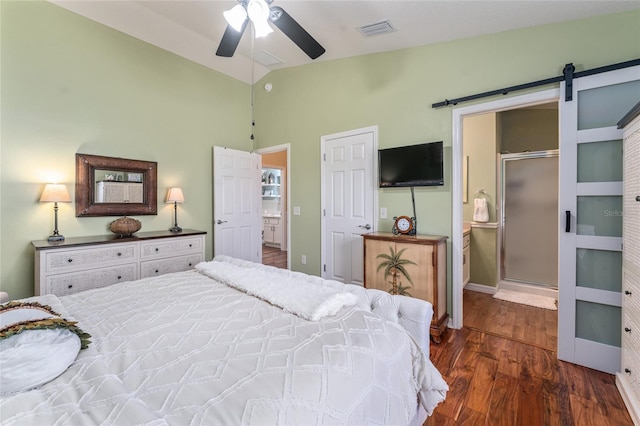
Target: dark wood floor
{"x": 274, "y": 256}
{"x": 522, "y": 323}
{"x": 496, "y": 380}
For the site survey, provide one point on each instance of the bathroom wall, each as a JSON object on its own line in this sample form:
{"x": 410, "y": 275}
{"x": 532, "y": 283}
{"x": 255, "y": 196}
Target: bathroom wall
{"x": 480, "y": 133}
{"x": 528, "y": 129}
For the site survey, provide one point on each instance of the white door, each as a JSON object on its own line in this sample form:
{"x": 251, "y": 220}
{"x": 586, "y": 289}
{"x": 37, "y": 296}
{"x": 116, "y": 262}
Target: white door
{"x": 237, "y": 219}
{"x": 590, "y": 231}
{"x": 349, "y": 196}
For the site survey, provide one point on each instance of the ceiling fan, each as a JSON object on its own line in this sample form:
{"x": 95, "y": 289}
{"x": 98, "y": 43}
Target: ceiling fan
{"x": 260, "y": 13}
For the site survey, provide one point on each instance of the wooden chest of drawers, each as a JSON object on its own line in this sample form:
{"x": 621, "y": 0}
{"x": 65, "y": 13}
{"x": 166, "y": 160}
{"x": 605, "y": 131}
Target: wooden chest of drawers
{"x": 78, "y": 264}
{"x": 428, "y": 270}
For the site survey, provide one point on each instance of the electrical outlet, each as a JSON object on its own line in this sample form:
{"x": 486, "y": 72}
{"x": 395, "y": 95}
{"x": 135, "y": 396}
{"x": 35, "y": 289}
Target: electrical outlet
{"x": 303, "y": 259}
{"x": 383, "y": 212}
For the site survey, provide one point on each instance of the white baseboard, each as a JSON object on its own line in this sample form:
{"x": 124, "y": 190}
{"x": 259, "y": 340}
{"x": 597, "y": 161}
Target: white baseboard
{"x": 626, "y": 392}
{"x": 481, "y": 288}
{"x": 528, "y": 288}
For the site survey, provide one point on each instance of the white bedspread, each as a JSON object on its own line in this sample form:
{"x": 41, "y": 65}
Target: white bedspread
{"x": 185, "y": 349}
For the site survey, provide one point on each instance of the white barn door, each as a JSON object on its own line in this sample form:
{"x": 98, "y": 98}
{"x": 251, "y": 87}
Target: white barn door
{"x": 237, "y": 219}
{"x": 349, "y": 198}
{"x": 590, "y": 232}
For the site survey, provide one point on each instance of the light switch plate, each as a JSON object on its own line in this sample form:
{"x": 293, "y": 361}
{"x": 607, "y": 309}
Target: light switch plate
{"x": 296, "y": 211}
{"x": 383, "y": 212}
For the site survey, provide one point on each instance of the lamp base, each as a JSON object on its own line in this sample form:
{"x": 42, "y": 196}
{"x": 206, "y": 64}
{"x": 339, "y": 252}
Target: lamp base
{"x": 56, "y": 238}
{"x": 176, "y": 229}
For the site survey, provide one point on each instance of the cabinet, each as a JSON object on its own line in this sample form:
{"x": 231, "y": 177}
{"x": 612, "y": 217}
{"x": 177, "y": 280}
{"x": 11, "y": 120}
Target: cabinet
{"x": 428, "y": 271}
{"x": 84, "y": 263}
{"x": 271, "y": 231}
{"x": 628, "y": 380}
{"x": 119, "y": 192}
{"x": 466, "y": 257}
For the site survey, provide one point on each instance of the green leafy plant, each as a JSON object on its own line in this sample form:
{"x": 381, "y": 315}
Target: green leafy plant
{"x": 394, "y": 267}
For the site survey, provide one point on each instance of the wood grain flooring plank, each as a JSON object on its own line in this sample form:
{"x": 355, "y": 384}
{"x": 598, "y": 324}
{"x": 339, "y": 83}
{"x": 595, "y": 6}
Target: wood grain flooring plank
{"x": 481, "y": 385}
{"x": 586, "y": 413}
{"x": 530, "y": 403}
{"x": 503, "y": 407}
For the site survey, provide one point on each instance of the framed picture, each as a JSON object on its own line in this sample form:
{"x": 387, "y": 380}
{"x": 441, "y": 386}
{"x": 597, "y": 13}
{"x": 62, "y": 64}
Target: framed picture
{"x": 134, "y": 177}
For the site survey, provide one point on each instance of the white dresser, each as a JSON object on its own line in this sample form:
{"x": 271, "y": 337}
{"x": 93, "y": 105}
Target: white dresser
{"x": 77, "y": 264}
{"x": 628, "y": 380}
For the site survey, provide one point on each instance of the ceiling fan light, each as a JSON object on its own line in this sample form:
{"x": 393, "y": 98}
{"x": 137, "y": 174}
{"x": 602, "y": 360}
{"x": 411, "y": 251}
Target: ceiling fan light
{"x": 236, "y": 17}
{"x": 262, "y": 28}
{"x": 258, "y": 10}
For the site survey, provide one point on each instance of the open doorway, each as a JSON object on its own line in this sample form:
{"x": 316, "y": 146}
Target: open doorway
{"x": 461, "y": 189}
{"x": 275, "y": 206}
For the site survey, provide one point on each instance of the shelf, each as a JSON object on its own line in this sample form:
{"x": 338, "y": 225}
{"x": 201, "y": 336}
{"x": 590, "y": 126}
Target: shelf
{"x": 270, "y": 184}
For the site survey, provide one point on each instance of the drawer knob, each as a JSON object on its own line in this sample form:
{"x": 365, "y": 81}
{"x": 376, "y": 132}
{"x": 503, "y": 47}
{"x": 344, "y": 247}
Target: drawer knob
{"x": 119, "y": 277}
{"x": 638, "y": 198}
{"x": 69, "y": 260}
{"x": 627, "y": 329}
{"x": 119, "y": 254}
{"x": 157, "y": 249}
{"x": 626, "y": 370}
{"x": 627, "y": 292}
{"x": 189, "y": 263}
{"x": 70, "y": 286}
{"x": 156, "y": 271}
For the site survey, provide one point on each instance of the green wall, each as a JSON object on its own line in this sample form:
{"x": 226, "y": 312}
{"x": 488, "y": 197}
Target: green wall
{"x": 395, "y": 91}
{"x": 72, "y": 85}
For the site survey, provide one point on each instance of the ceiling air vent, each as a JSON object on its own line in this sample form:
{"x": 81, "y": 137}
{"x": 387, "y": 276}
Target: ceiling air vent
{"x": 377, "y": 28}
{"x": 266, "y": 58}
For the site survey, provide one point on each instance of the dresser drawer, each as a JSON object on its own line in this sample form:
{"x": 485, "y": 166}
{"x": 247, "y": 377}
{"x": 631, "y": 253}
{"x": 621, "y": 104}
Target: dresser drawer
{"x": 68, "y": 260}
{"x": 90, "y": 262}
{"x": 466, "y": 240}
{"x": 631, "y": 368}
{"x": 170, "y": 247}
{"x": 631, "y": 295}
{"x": 151, "y": 268}
{"x": 78, "y": 281}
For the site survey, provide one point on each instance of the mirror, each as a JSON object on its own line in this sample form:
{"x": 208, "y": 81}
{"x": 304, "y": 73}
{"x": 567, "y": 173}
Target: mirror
{"x": 107, "y": 186}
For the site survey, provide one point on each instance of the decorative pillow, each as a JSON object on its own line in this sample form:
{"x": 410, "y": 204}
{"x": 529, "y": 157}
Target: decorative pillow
{"x": 36, "y": 345}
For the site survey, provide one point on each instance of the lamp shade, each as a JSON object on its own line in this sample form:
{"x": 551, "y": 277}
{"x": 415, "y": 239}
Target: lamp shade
{"x": 175, "y": 195}
{"x": 55, "y": 192}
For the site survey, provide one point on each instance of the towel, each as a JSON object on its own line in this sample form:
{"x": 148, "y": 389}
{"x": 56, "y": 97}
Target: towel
{"x": 481, "y": 210}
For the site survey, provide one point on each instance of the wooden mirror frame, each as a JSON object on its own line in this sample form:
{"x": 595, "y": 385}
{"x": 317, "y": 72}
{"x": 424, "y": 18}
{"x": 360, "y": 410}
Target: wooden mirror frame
{"x": 86, "y": 165}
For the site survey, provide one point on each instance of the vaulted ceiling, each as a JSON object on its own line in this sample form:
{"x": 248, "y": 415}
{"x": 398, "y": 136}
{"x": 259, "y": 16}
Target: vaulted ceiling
{"x": 193, "y": 28}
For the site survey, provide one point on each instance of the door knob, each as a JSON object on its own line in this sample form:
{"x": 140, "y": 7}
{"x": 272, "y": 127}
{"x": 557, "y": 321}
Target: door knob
{"x": 367, "y": 226}
{"x": 220, "y": 222}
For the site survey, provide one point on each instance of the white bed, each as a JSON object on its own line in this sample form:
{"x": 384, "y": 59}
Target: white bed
{"x": 185, "y": 348}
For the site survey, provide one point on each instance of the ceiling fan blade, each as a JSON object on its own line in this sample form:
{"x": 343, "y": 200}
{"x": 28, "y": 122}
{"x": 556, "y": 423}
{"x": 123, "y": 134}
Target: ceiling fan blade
{"x": 230, "y": 41}
{"x": 295, "y": 32}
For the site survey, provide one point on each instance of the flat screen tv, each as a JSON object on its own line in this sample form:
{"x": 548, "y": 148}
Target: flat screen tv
{"x": 411, "y": 165}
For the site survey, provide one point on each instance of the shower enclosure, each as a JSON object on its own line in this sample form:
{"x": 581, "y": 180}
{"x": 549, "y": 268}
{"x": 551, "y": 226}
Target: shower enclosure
{"x": 529, "y": 219}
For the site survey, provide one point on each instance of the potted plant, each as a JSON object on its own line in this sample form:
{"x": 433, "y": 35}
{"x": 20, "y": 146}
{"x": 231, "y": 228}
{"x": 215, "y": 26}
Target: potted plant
{"x": 394, "y": 266}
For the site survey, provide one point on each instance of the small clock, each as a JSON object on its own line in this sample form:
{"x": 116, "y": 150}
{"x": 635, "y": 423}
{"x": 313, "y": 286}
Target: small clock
{"x": 404, "y": 225}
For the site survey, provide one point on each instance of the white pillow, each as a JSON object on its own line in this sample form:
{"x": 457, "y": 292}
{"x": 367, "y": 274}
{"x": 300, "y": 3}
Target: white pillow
{"x": 36, "y": 345}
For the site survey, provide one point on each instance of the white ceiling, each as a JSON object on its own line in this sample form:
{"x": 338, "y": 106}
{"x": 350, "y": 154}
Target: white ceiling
{"x": 193, "y": 28}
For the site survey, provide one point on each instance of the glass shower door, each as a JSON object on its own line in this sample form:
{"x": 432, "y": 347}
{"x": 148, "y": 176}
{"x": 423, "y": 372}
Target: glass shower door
{"x": 530, "y": 218}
